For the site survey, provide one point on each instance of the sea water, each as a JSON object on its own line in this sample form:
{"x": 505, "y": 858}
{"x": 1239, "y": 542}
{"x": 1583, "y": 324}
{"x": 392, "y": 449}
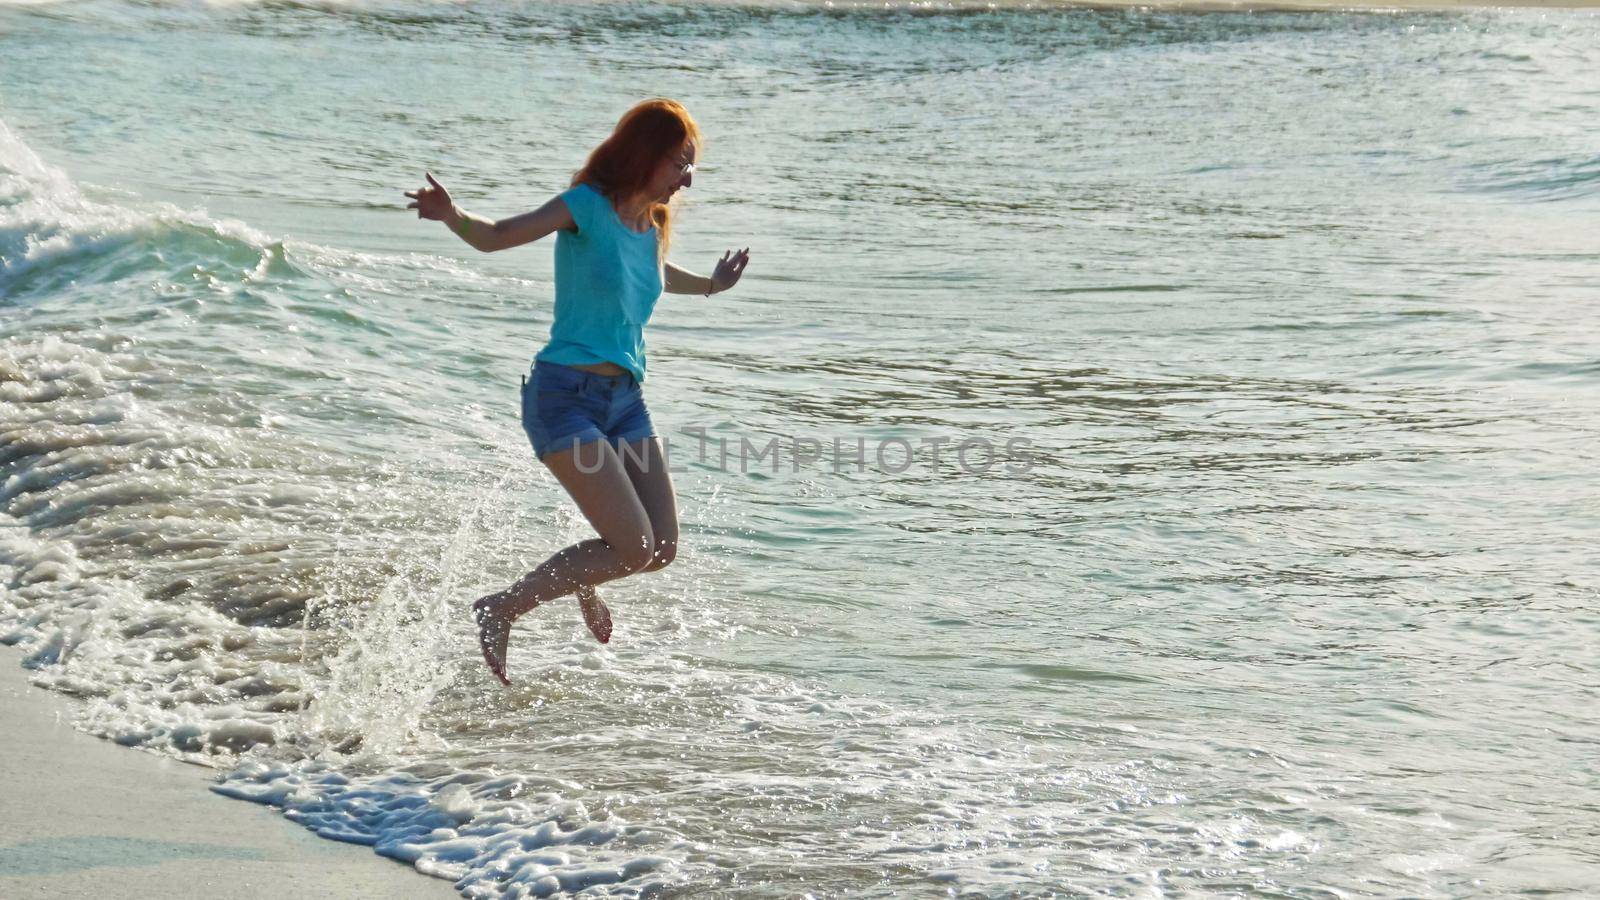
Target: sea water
{"x": 1288, "y": 588}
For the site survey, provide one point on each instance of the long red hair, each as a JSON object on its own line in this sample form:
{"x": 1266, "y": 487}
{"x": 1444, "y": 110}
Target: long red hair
{"x": 622, "y": 166}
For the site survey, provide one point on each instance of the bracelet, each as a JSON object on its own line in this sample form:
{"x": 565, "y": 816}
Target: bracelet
{"x": 461, "y": 226}
{"x": 711, "y": 285}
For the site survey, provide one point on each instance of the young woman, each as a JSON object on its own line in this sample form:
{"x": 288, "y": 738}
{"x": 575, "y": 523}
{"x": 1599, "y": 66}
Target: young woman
{"x": 581, "y": 404}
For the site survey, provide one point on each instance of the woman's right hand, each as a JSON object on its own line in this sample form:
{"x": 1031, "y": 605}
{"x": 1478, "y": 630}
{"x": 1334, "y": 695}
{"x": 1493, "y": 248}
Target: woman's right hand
{"x": 432, "y": 202}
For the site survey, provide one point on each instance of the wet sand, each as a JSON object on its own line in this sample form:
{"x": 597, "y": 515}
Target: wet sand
{"x": 83, "y": 817}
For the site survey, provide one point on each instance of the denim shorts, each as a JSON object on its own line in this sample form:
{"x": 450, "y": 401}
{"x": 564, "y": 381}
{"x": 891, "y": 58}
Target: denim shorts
{"x": 564, "y": 407}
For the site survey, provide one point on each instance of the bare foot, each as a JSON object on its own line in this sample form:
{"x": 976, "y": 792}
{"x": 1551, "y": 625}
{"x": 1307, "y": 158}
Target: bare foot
{"x": 494, "y": 630}
{"x": 595, "y": 614}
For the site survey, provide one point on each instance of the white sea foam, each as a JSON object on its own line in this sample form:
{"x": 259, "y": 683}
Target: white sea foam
{"x": 506, "y": 836}
{"x": 162, "y": 647}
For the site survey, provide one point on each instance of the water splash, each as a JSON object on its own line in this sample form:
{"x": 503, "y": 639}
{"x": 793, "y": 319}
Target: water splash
{"x": 399, "y": 648}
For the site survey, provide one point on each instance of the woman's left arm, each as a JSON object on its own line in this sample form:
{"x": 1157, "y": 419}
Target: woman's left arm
{"x": 682, "y": 281}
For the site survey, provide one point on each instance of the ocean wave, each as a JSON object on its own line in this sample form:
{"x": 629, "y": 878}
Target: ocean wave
{"x": 52, "y": 235}
{"x": 1568, "y": 177}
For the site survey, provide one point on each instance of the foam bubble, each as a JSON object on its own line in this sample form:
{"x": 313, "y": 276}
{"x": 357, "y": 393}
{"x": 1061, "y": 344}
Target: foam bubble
{"x": 459, "y": 827}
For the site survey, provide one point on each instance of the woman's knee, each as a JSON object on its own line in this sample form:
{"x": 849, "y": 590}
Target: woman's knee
{"x": 636, "y": 554}
{"x": 665, "y": 552}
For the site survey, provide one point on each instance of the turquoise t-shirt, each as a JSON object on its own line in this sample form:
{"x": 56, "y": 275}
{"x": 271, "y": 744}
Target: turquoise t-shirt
{"x": 608, "y": 279}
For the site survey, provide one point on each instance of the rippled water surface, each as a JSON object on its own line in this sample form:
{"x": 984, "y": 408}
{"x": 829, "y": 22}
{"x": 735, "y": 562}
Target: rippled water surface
{"x": 1297, "y": 313}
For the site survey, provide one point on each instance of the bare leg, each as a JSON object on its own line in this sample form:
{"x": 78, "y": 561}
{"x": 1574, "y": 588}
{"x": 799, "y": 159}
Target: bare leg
{"x": 646, "y": 465}
{"x": 595, "y": 614}
{"x": 606, "y": 497}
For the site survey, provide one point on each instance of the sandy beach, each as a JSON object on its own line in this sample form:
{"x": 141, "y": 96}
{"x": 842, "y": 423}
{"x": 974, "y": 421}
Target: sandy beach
{"x": 82, "y": 817}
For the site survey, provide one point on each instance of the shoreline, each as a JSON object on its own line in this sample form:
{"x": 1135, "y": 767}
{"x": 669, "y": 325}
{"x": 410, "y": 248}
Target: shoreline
{"x": 83, "y": 817}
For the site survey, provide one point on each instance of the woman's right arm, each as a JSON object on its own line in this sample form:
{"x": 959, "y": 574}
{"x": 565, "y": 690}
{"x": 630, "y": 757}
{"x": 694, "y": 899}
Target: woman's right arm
{"x": 433, "y": 202}
{"x": 488, "y": 236}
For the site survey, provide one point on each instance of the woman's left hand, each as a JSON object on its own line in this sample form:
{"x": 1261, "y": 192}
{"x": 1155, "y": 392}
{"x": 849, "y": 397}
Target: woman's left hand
{"x": 729, "y": 268}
